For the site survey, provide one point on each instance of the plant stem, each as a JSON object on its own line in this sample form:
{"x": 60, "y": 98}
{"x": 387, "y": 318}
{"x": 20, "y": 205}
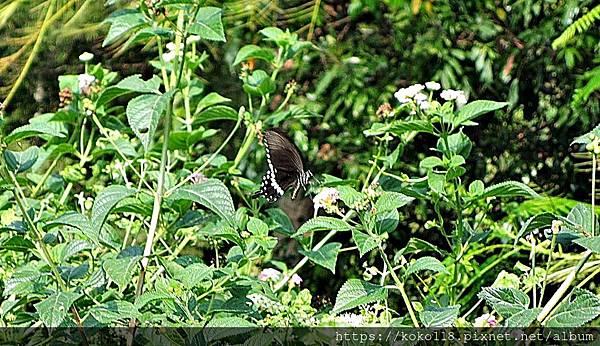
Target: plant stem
{"x": 545, "y": 313}
{"x": 594, "y": 163}
{"x": 400, "y": 286}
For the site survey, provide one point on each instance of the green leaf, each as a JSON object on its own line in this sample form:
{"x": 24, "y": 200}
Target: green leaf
{"x": 122, "y": 22}
{"x": 587, "y": 138}
{"x": 144, "y": 113}
{"x": 581, "y": 307}
{"x": 114, "y": 310}
{"x": 20, "y": 161}
{"x": 75, "y": 220}
{"x": 53, "y": 310}
{"x": 322, "y": 223}
{"x": 105, "y": 201}
{"x": 210, "y": 100}
{"x": 38, "y": 126}
{"x": 399, "y": 127}
{"x": 592, "y": 244}
{"x": 391, "y": 201}
{"x": 22, "y": 281}
{"x": 326, "y": 256}
{"x": 146, "y": 34}
{"x": 211, "y": 194}
{"x": 69, "y": 273}
{"x": 222, "y": 327}
{"x": 208, "y": 25}
{"x": 581, "y": 218}
{"x": 73, "y": 247}
{"x": 282, "y": 220}
{"x": 436, "y": 181}
{"x": 131, "y": 84}
{"x": 431, "y": 162}
{"x": 356, "y": 292}
{"x": 535, "y": 222}
{"x": 434, "y": 316}
{"x": 253, "y": 52}
{"x": 216, "y": 113}
{"x": 151, "y": 296}
{"x": 474, "y": 109}
{"x": 426, "y": 263}
{"x": 508, "y": 189}
{"x": 259, "y": 83}
{"x": 364, "y": 242}
{"x": 523, "y": 319}
{"x": 506, "y": 301}
{"x": 194, "y": 274}
{"x": 257, "y": 227}
{"x": 121, "y": 270}
{"x": 476, "y": 187}
{"x": 350, "y": 196}
{"x": 17, "y": 243}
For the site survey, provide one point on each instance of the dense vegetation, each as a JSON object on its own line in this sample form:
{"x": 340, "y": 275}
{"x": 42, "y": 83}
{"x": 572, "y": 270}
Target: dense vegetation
{"x": 453, "y": 144}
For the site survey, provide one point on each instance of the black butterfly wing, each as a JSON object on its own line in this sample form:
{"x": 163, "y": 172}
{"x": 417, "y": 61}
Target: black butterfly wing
{"x": 284, "y": 165}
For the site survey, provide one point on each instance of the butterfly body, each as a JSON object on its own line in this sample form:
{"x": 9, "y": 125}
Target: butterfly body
{"x": 285, "y": 167}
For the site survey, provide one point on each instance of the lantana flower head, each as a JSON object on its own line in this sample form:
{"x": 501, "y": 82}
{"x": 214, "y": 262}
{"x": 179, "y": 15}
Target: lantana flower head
{"x": 327, "y": 199}
{"x": 269, "y": 274}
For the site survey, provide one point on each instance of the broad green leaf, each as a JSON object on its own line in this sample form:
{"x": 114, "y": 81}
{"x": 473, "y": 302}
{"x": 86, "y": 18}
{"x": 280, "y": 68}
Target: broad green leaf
{"x": 579, "y": 308}
{"x": 210, "y": 100}
{"x": 53, "y": 310}
{"x": 350, "y": 196}
{"x": 20, "y": 161}
{"x": 121, "y": 270}
{"x": 587, "y": 138}
{"x": 416, "y": 245}
{"x": 257, "y": 227}
{"x": 282, "y": 220}
{"x": 211, "y": 194}
{"x": 458, "y": 144}
{"x": 17, "y": 243}
{"x": 322, "y": 223}
{"x": 272, "y": 33}
{"x": 326, "y": 256}
{"x": 131, "y": 84}
{"x": 69, "y": 273}
{"x": 434, "y": 316}
{"x": 476, "y": 187}
{"x": 208, "y": 25}
{"x": 122, "y": 22}
{"x": 474, "y": 109}
{"x": 73, "y": 247}
{"x": 146, "y": 34}
{"x": 364, "y": 242}
{"x": 105, "y": 201}
{"x": 222, "y": 327}
{"x": 426, "y": 263}
{"x": 115, "y": 310}
{"x": 216, "y": 113}
{"x": 259, "y": 83}
{"x": 151, "y": 296}
{"x": 253, "y": 52}
{"x": 506, "y": 301}
{"x": 75, "y": 220}
{"x": 523, "y": 319}
{"x": 194, "y": 274}
{"x": 356, "y": 292}
{"x": 592, "y": 244}
{"x": 538, "y": 221}
{"x": 581, "y": 219}
{"x": 436, "y": 181}
{"x": 431, "y": 162}
{"x": 144, "y": 113}
{"x": 22, "y": 281}
{"x": 390, "y": 200}
{"x": 508, "y": 189}
{"x": 400, "y": 126}
{"x": 387, "y": 221}
{"x": 38, "y": 126}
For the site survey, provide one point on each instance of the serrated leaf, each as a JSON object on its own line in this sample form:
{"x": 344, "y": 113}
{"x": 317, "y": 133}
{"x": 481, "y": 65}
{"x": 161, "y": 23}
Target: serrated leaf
{"x": 356, "y": 292}
{"x": 350, "y": 196}
{"x": 322, "y": 223}
{"x": 208, "y": 25}
{"x": 21, "y": 281}
{"x": 436, "y": 181}
{"x": 144, "y": 113}
{"x": 53, "y": 310}
{"x": 105, "y": 201}
{"x": 222, "y": 327}
{"x": 587, "y": 138}
{"x": 73, "y": 247}
{"x": 581, "y": 218}
{"x": 151, "y": 296}
{"x": 522, "y": 319}
{"x": 114, "y": 310}
{"x": 20, "y": 161}
{"x": 75, "y": 220}
{"x": 391, "y": 201}
{"x": 431, "y": 162}
{"x": 474, "y": 109}
{"x": 257, "y": 227}
{"x": 282, "y": 220}
{"x": 69, "y": 273}
{"x": 434, "y": 316}
{"x": 131, "y": 84}
{"x": 212, "y": 194}
{"x": 581, "y": 307}
{"x": 210, "y": 100}
{"x": 364, "y": 242}
{"x": 506, "y": 301}
{"x": 121, "y": 270}
{"x": 38, "y": 126}
{"x": 216, "y": 113}
{"x": 508, "y": 189}
{"x": 17, "y": 243}
{"x": 538, "y": 221}
{"x": 326, "y": 256}
{"x": 122, "y": 22}
{"x": 426, "y": 263}
{"x": 253, "y": 52}
{"x": 592, "y": 243}
{"x": 194, "y": 274}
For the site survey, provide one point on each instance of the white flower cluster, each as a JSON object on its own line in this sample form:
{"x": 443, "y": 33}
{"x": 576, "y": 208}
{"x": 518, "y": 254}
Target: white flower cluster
{"x": 414, "y": 94}
{"x": 326, "y": 199}
{"x": 261, "y": 302}
{"x": 353, "y": 320}
{"x": 170, "y": 55}
{"x": 270, "y": 274}
{"x": 85, "y": 82}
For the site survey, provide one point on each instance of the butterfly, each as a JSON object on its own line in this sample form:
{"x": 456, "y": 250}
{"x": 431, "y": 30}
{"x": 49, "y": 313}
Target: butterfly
{"x": 285, "y": 167}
